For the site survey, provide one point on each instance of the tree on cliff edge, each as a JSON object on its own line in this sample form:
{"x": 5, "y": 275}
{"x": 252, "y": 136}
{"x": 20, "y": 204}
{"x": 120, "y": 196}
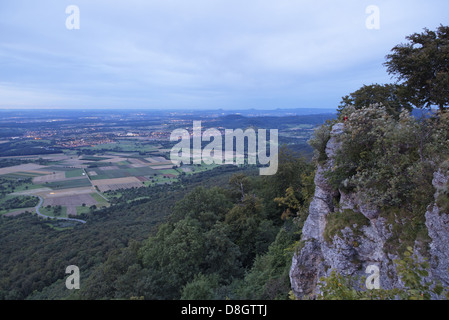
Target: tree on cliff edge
{"x": 387, "y": 95}
{"x": 422, "y": 65}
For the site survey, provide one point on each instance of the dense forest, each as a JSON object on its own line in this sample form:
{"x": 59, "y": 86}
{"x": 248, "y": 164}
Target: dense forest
{"x": 233, "y": 241}
{"x": 190, "y": 239}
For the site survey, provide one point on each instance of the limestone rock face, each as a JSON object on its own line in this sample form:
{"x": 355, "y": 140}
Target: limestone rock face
{"x": 333, "y": 144}
{"x": 350, "y": 252}
{"x": 437, "y": 224}
{"x": 440, "y": 179}
{"x": 307, "y": 268}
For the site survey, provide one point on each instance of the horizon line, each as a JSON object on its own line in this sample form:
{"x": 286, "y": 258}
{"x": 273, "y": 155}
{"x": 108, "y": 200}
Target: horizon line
{"x": 167, "y": 109}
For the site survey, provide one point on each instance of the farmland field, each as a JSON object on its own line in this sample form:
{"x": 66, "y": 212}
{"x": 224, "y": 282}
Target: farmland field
{"x": 74, "y": 173}
{"x": 24, "y": 175}
{"x": 127, "y": 145}
{"x": 109, "y": 174}
{"x": 94, "y": 158}
{"x": 117, "y": 183}
{"x": 121, "y": 171}
{"x": 68, "y": 184}
{"x": 50, "y": 212}
{"x": 75, "y": 181}
{"x": 72, "y": 200}
{"x": 57, "y": 176}
{"x": 20, "y": 168}
{"x": 70, "y": 180}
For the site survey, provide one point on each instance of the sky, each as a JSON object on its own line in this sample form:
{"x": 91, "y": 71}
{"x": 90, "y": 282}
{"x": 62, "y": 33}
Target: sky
{"x": 200, "y": 54}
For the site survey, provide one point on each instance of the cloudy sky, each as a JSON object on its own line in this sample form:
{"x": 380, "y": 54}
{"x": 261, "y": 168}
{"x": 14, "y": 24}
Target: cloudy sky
{"x": 200, "y": 54}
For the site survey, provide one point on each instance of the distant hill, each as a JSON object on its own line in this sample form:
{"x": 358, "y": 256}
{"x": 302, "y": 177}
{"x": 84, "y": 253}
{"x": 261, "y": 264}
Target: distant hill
{"x": 270, "y": 122}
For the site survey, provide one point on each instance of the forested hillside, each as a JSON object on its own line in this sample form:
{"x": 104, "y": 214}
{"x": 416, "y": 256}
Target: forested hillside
{"x": 228, "y": 241}
{"x": 35, "y": 252}
{"x": 223, "y": 233}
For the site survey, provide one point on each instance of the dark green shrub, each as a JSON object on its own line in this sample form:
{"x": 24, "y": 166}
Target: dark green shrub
{"x": 337, "y": 221}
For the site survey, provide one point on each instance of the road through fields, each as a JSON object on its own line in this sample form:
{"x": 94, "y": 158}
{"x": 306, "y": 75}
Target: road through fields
{"x": 41, "y": 201}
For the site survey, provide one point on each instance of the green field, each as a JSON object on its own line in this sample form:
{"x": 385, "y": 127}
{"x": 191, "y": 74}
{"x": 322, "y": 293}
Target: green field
{"x": 143, "y": 171}
{"x": 169, "y": 171}
{"x": 81, "y": 210}
{"x": 22, "y": 175}
{"x": 98, "y": 164}
{"x": 194, "y": 168}
{"x": 49, "y": 212}
{"x": 67, "y": 184}
{"x": 101, "y": 201}
{"x": 141, "y": 158}
{"x": 121, "y": 172}
{"x": 94, "y": 158}
{"x": 28, "y": 186}
{"x": 10, "y": 184}
{"x": 74, "y": 173}
{"x": 109, "y": 174}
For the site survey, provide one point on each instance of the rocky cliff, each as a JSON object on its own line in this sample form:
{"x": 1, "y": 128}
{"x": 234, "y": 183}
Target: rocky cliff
{"x": 363, "y": 241}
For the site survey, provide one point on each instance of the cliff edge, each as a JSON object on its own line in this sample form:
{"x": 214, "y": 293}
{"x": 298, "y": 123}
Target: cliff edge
{"x": 344, "y": 234}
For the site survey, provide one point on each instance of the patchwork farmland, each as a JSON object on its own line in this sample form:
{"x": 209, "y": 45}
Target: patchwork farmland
{"x": 77, "y": 184}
